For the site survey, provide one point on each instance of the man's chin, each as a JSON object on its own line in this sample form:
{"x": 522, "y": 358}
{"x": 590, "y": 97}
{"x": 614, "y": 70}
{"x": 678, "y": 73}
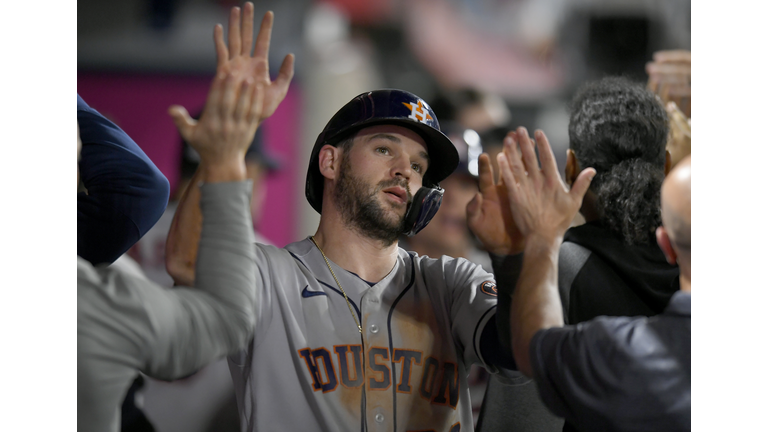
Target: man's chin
{"x": 394, "y": 217}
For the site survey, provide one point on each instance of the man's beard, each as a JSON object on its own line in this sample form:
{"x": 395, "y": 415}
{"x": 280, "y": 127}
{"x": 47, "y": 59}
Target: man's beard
{"x": 361, "y": 209}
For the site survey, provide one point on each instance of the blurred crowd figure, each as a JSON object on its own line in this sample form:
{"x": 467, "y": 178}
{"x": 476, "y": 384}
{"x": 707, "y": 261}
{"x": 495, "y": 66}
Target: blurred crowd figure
{"x": 669, "y": 77}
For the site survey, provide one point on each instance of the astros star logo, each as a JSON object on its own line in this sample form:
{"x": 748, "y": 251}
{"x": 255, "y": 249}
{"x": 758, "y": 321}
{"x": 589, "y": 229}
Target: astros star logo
{"x": 418, "y": 112}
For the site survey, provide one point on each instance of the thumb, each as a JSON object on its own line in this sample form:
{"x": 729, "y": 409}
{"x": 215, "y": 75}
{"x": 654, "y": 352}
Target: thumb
{"x": 581, "y": 185}
{"x": 184, "y": 123}
{"x": 473, "y": 209}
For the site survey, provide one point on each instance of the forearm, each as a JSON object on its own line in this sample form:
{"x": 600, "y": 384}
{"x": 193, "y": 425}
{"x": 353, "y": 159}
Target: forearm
{"x": 196, "y": 326}
{"x": 536, "y": 301}
{"x": 184, "y": 236}
{"x": 225, "y": 266}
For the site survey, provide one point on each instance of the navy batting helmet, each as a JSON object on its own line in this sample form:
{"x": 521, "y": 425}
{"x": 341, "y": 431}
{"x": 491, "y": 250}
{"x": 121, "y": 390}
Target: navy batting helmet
{"x": 387, "y": 106}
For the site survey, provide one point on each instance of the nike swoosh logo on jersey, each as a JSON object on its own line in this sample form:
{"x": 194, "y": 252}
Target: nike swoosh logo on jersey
{"x": 307, "y": 293}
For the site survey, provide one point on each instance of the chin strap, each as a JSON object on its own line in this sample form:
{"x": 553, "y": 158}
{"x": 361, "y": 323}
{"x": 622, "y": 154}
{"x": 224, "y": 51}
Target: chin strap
{"x": 425, "y": 204}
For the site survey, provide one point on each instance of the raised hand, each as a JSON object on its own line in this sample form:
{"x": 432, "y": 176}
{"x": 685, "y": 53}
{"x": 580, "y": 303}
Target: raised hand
{"x": 237, "y": 57}
{"x": 540, "y": 202}
{"x": 242, "y": 94}
{"x": 489, "y": 215}
{"x": 669, "y": 76}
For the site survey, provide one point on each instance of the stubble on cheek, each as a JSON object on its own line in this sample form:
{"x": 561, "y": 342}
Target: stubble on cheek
{"x": 364, "y": 210}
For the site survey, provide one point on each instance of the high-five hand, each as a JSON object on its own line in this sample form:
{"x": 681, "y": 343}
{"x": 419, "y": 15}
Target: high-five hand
{"x": 541, "y": 204}
{"x": 242, "y": 94}
{"x": 489, "y": 214}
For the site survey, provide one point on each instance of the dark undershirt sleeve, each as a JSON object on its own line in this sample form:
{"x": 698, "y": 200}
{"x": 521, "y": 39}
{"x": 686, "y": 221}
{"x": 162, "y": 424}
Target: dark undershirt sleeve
{"x": 590, "y": 373}
{"x": 496, "y": 342}
{"x": 492, "y": 351}
{"x": 572, "y": 258}
{"x": 126, "y": 195}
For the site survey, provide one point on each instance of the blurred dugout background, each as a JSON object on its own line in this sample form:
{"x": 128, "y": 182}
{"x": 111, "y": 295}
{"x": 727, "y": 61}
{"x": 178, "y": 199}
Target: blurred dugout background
{"x": 486, "y": 63}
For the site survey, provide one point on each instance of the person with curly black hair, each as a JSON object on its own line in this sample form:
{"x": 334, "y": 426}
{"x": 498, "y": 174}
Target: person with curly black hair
{"x": 611, "y": 265}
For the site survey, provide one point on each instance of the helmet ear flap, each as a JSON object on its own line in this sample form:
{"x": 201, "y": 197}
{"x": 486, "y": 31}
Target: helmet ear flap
{"x": 423, "y": 208}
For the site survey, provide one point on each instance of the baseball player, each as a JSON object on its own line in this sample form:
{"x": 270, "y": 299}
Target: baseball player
{"x": 352, "y": 332}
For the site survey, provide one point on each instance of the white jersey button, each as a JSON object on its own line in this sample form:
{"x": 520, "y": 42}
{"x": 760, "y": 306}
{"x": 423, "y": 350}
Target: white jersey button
{"x": 379, "y": 418}
{"x": 374, "y": 329}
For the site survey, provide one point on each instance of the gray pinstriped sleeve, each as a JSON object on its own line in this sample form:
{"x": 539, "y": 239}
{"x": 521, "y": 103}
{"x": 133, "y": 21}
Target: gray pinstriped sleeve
{"x": 126, "y": 323}
{"x": 196, "y": 326}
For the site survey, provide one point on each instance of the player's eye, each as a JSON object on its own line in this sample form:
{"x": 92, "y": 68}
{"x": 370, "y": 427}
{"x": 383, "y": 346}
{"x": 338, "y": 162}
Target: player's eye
{"x": 382, "y": 150}
{"x": 416, "y": 167}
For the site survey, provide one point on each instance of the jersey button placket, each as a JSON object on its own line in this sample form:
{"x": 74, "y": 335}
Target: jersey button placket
{"x": 374, "y": 328}
{"x": 379, "y": 418}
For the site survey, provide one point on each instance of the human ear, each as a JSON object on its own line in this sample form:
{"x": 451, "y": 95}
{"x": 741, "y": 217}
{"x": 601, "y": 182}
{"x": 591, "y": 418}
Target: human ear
{"x": 329, "y": 160}
{"x": 572, "y": 168}
{"x": 662, "y": 238}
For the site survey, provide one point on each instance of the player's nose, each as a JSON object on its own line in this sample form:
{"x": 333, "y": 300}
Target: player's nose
{"x": 401, "y": 167}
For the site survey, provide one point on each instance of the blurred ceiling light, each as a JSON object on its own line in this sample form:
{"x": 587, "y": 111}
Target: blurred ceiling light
{"x": 471, "y": 137}
{"x": 325, "y": 24}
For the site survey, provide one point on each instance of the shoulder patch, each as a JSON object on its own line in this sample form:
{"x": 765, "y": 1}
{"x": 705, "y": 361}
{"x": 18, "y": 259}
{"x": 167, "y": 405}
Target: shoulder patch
{"x": 489, "y": 288}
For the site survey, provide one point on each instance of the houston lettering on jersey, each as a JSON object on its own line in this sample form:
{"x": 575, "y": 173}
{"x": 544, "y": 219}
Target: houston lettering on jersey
{"x": 435, "y": 381}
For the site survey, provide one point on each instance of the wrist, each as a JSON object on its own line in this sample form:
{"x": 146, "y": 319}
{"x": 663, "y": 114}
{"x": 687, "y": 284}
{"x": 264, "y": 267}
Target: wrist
{"x": 542, "y": 243}
{"x": 232, "y": 170}
{"x": 513, "y": 249}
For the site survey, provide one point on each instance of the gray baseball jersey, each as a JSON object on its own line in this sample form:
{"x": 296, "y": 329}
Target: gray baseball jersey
{"x": 126, "y": 324}
{"x": 308, "y": 368}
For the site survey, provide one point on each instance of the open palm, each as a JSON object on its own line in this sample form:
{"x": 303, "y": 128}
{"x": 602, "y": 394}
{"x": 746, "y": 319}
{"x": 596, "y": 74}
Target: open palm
{"x": 236, "y": 58}
{"x": 242, "y": 94}
{"x": 489, "y": 215}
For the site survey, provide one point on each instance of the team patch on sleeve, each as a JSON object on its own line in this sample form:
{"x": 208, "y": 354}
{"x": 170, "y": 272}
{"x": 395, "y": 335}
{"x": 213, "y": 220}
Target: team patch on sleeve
{"x": 489, "y": 288}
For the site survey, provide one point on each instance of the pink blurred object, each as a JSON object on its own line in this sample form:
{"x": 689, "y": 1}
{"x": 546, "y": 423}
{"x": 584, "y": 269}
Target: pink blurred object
{"x": 462, "y": 57}
{"x": 139, "y": 104}
{"x": 363, "y": 12}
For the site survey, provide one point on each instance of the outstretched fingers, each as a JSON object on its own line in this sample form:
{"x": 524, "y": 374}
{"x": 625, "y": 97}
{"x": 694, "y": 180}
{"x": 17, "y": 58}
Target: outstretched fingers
{"x": 247, "y": 30}
{"x": 506, "y": 171}
{"x": 184, "y": 123}
{"x": 548, "y": 163}
{"x": 229, "y": 96}
{"x": 581, "y": 185}
{"x": 257, "y": 103}
{"x": 474, "y": 213}
{"x": 244, "y": 99}
{"x": 222, "y": 53}
{"x": 285, "y": 75}
{"x": 514, "y": 160}
{"x": 216, "y": 92}
{"x": 264, "y": 38}
{"x": 234, "y": 32}
{"x": 528, "y": 155}
{"x": 485, "y": 174}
